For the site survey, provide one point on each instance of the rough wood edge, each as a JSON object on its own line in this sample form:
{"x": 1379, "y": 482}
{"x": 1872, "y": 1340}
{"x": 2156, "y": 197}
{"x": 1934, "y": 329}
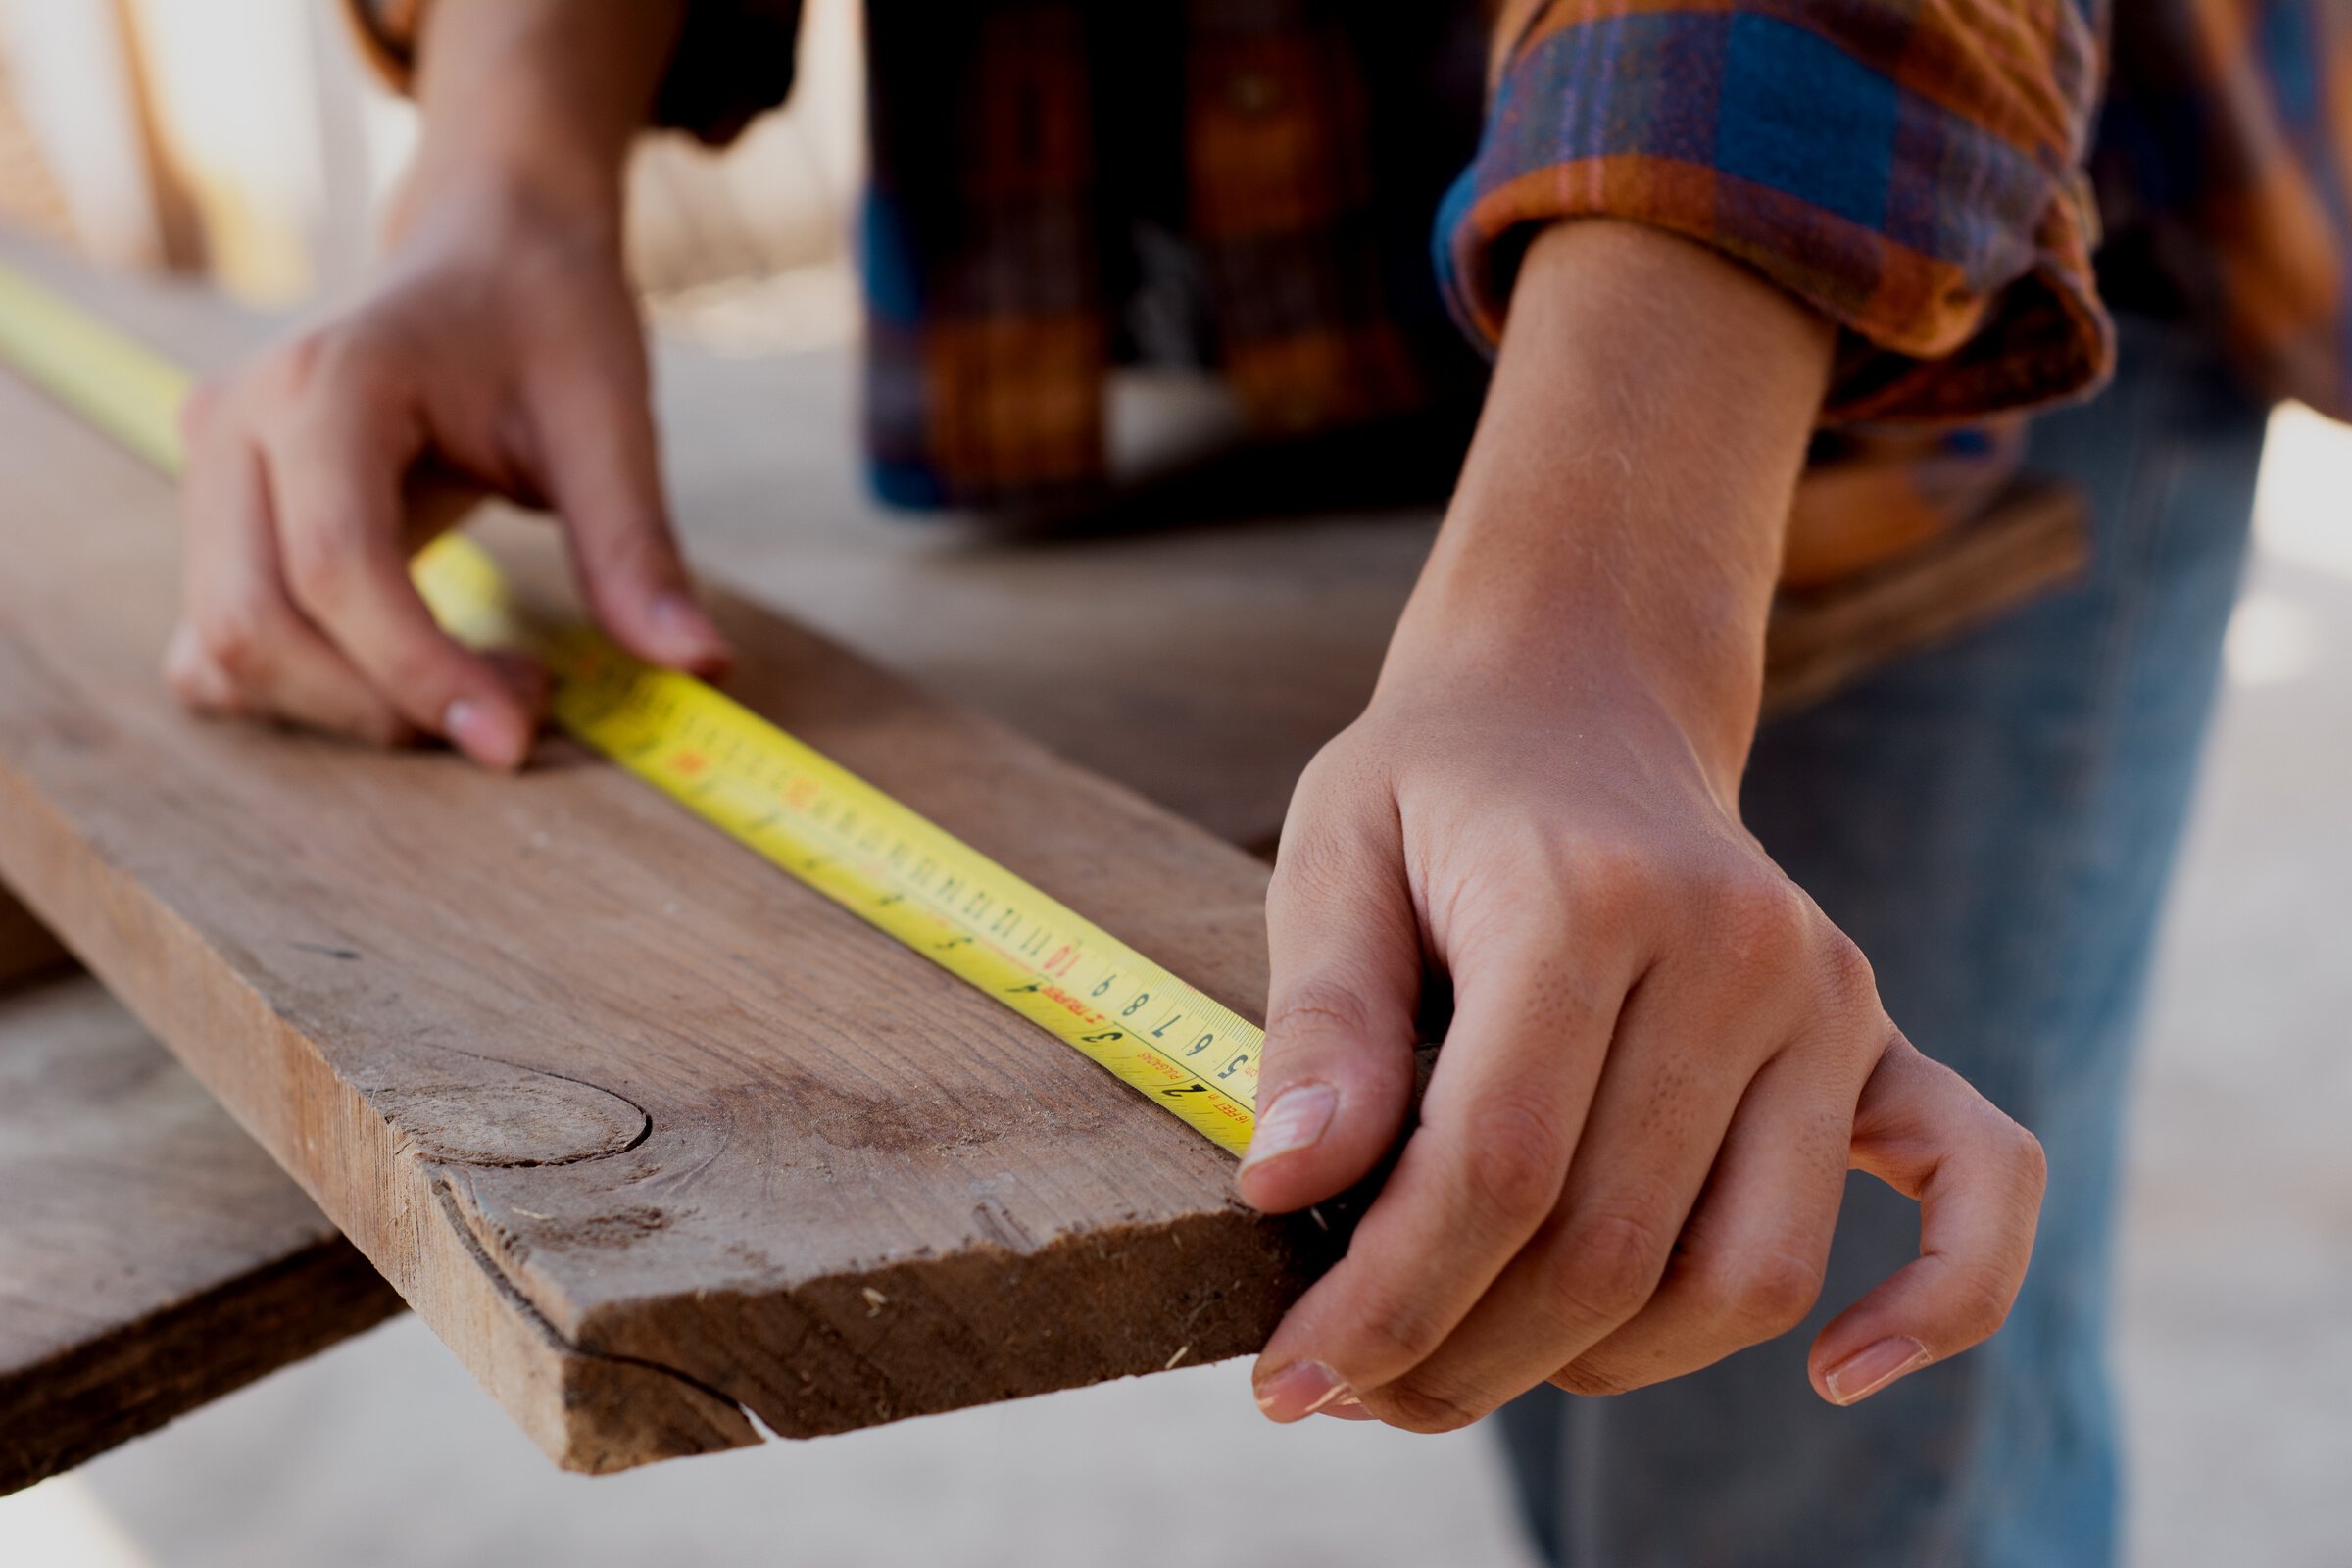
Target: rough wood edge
{"x": 1110, "y": 1302}
{"x": 58, "y": 1413}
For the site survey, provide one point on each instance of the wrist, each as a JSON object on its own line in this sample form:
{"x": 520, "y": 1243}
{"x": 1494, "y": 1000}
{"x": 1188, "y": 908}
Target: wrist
{"x": 530, "y": 108}
{"x": 493, "y": 199}
{"x": 1566, "y": 651}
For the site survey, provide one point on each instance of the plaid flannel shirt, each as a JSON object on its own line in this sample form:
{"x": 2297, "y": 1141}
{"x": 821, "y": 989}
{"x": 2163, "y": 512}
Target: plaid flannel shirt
{"x": 1058, "y": 186}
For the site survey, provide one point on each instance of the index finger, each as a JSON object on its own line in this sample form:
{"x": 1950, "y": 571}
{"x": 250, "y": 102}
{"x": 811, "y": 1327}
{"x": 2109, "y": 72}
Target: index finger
{"x": 1481, "y": 1173}
{"x": 337, "y": 483}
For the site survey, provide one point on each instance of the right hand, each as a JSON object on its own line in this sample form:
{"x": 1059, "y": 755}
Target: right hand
{"x": 498, "y": 342}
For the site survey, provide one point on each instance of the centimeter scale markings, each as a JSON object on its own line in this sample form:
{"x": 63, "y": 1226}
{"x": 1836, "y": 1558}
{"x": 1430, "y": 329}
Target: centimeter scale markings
{"x": 781, "y": 798}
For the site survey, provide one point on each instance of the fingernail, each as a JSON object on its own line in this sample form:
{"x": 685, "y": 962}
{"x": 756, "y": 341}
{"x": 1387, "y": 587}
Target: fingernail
{"x": 1300, "y": 1389}
{"x": 1348, "y": 1408}
{"x": 1297, "y": 1118}
{"x": 1870, "y": 1368}
{"x": 686, "y": 631}
{"x": 487, "y": 734}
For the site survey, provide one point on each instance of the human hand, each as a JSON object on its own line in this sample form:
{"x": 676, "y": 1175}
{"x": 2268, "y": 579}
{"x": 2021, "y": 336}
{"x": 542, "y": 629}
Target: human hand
{"x": 1662, "y": 1058}
{"x": 502, "y": 342}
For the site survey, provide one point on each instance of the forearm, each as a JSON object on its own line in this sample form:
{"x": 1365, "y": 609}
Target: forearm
{"x": 1622, "y": 508}
{"x": 535, "y": 101}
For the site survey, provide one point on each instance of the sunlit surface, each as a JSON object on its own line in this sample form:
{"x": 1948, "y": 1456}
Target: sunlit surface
{"x": 2272, "y": 639}
{"x": 2303, "y": 510}
{"x": 62, "y": 1524}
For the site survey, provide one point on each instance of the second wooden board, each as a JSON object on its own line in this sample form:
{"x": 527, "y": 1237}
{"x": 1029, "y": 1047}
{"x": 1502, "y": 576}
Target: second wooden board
{"x": 153, "y": 1258}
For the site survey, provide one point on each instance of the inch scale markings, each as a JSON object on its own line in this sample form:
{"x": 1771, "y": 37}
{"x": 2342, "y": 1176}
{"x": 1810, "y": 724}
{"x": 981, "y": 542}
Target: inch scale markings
{"x": 898, "y": 871}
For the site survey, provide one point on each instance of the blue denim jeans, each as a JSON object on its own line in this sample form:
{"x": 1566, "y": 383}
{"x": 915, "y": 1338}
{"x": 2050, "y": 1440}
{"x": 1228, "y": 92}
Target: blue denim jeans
{"x": 1994, "y": 822}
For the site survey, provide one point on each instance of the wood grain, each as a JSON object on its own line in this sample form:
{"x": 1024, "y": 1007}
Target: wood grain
{"x": 153, "y": 1257}
{"x": 647, "y": 1132}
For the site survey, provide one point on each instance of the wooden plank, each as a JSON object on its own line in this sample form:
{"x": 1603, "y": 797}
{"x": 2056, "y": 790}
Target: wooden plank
{"x": 153, "y": 1258}
{"x": 639, "y": 1126}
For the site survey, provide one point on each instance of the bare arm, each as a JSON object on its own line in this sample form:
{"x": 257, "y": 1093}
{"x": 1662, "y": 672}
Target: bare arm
{"x": 537, "y": 98}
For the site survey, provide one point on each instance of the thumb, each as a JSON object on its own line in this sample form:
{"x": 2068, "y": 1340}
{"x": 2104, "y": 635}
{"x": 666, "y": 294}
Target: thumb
{"x": 594, "y": 434}
{"x": 1978, "y": 1177}
{"x": 1336, "y": 1071}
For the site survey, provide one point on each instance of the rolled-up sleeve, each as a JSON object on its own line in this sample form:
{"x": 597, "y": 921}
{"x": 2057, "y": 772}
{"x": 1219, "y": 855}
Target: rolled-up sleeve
{"x": 1911, "y": 169}
{"x": 732, "y": 61}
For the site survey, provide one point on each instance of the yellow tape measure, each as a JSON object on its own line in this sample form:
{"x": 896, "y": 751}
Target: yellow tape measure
{"x": 832, "y": 830}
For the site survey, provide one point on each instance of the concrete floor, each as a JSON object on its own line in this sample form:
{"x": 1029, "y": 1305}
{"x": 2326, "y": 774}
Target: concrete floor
{"x": 2236, "y": 1352}
{"x": 2236, "y": 1339}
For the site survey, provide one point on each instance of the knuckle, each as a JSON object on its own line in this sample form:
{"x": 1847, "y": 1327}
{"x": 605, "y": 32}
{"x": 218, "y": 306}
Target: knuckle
{"x": 318, "y": 562}
{"x": 1767, "y": 917}
{"x": 1610, "y": 876}
{"x": 2032, "y": 1160}
{"x": 294, "y": 364}
{"x": 343, "y": 364}
{"x": 1847, "y": 973}
{"x": 1514, "y": 1159}
{"x": 237, "y": 638}
{"x": 1596, "y": 1380}
{"x": 203, "y": 405}
{"x": 640, "y": 549}
{"x": 1311, "y": 871}
{"x": 1397, "y": 1334}
{"x": 193, "y": 679}
{"x": 1417, "y": 1407}
{"x": 1762, "y": 1295}
{"x": 1981, "y": 1301}
{"x": 186, "y": 680}
{"x": 330, "y": 351}
{"x": 1607, "y": 1265}
{"x": 416, "y": 670}
{"x": 1319, "y": 1010}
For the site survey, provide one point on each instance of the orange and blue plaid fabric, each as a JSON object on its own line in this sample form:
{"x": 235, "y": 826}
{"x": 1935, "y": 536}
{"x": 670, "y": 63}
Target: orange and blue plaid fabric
{"x": 1058, "y": 186}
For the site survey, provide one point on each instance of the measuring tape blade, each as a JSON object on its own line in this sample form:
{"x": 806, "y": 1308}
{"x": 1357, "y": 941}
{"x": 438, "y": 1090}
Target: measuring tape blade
{"x": 830, "y": 829}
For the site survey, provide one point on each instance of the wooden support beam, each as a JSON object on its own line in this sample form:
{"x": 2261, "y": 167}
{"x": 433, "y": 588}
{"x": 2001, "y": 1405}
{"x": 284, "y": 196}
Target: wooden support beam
{"x": 153, "y": 1257}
